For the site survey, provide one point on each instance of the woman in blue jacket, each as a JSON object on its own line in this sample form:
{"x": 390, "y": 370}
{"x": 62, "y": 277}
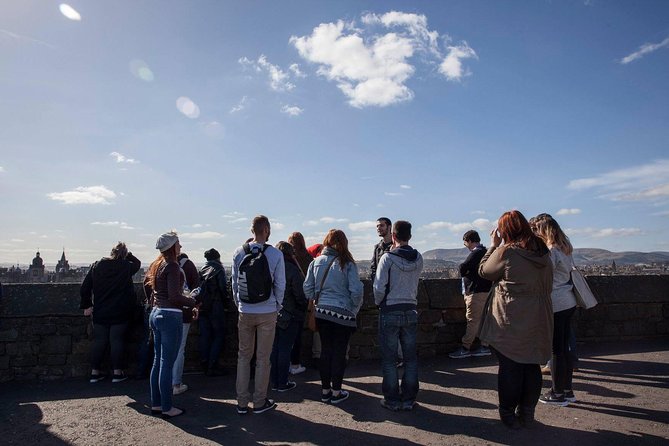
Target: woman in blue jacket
{"x": 332, "y": 282}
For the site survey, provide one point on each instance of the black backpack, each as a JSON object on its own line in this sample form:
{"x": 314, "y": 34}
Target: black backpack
{"x": 255, "y": 280}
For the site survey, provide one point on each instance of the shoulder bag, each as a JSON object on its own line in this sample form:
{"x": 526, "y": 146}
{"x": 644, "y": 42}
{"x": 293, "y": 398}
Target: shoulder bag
{"x": 584, "y": 296}
{"x": 311, "y": 310}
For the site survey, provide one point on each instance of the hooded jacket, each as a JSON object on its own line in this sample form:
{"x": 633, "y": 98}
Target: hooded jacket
{"x": 212, "y": 275}
{"x": 518, "y": 320}
{"x": 396, "y": 281}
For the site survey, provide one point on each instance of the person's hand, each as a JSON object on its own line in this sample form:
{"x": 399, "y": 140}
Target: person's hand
{"x": 196, "y": 313}
{"x": 495, "y": 239}
{"x": 88, "y": 311}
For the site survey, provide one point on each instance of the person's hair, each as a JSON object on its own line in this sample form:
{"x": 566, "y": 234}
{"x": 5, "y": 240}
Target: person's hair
{"x": 515, "y": 230}
{"x": 386, "y": 220}
{"x": 471, "y": 236}
{"x": 297, "y": 240}
{"x": 259, "y": 222}
{"x": 182, "y": 256}
{"x": 402, "y": 230}
{"x": 551, "y": 233}
{"x": 119, "y": 252}
{"x": 336, "y": 239}
{"x": 164, "y": 257}
{"x": 287, "y": 251}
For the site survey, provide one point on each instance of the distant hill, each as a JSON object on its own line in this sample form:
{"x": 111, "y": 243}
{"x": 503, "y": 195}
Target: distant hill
{"x": 582, "y": 256}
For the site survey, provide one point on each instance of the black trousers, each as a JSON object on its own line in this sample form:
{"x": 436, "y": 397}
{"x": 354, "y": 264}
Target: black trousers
{"x": 518, "y": 385}
{"x": 334, "y": 342}
{"x": 562, "y": 365}
{"x": 104, "y": 335}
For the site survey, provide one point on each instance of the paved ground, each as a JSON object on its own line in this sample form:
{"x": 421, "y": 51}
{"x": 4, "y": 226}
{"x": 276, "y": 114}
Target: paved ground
{"x": 623, "y": 390}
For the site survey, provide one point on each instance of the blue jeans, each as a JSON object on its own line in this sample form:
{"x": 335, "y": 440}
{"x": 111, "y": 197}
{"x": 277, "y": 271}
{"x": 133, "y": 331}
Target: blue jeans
{"x": 178, "y": 369}
{"x": 399, "y": 327}
{"x": 280, "y": 358}
{"x": 167, "y": 329}
{"x": 212, "y": 334}
{"x": 144, "y": 344}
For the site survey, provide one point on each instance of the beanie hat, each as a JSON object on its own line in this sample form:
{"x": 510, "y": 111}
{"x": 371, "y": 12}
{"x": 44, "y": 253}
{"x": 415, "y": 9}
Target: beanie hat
{"x": 211, "y": 254}
{"x": 315, "y": 250}
{"x": 166, "y": 241}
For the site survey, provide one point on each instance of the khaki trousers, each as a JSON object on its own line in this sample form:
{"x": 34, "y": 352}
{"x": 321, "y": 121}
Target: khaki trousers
{"x": 254, "y": 327}
{"x": 474, "y": 304}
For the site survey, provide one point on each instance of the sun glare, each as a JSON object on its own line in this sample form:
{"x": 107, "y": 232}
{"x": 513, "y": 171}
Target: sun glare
{"x": 69, "y": 12}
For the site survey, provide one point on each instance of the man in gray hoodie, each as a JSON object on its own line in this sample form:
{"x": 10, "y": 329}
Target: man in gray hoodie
{"x": 395, "y": 289}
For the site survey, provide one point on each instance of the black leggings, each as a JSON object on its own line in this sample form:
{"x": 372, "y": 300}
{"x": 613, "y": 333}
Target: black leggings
{"x": 562, "y": 365}
{"x": 518, "y": 385}
{"x": 104, "y": 335}
{"x": 334, "y": 341}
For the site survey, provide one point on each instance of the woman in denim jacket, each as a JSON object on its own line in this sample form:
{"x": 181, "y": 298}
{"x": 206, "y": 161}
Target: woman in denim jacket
{"x": 337, "y": 304}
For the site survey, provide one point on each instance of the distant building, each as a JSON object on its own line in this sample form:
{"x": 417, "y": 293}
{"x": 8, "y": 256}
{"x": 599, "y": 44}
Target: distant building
{"x": 36, "y": 270}
{"x": 63, "y": 266}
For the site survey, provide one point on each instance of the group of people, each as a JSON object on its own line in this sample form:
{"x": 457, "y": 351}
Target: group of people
{"x": 518, "y": 299}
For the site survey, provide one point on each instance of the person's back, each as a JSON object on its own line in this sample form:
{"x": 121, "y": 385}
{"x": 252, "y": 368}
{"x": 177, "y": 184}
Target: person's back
{"x": 341, "y": 289}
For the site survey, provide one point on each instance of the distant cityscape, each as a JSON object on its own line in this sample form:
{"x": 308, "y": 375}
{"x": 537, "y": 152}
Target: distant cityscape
{"x": 37, "y": 272}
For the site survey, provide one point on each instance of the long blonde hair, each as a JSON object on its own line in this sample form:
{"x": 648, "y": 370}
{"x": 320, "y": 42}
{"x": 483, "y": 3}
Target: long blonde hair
{"x": 551, "y": 233}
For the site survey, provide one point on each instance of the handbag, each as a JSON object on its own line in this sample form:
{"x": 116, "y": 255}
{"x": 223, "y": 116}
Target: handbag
{"x": 584, "y": 296}
{"x": 311, "y": 310}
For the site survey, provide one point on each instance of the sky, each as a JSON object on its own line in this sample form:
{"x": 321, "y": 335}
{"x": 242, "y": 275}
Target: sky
{"x": 122, "y": 120}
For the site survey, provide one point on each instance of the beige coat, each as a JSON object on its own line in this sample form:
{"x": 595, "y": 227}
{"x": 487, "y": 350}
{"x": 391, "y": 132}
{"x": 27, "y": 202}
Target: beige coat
{"x": 519, "y": 320}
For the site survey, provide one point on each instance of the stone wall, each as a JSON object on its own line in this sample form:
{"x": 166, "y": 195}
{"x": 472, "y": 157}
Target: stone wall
{"x": 43, "y": 334}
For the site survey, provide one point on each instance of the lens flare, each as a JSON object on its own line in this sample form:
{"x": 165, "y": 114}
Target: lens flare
{"x": 141, "y": 70}
{"x": 188, "y": 107}
{"x": 69, "y": 12}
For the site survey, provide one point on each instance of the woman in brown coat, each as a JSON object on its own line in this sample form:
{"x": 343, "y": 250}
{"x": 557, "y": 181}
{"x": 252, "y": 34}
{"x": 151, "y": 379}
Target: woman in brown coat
{"x": 518, "y": 324}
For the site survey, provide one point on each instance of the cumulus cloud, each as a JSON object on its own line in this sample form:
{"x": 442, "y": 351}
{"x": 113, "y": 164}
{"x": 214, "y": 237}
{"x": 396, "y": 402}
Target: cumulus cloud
{"x": 120, "y": 158}
{"x": 84, "y": 195}
{"x": 277, "y": 225}
{"x": 362, "y": 225}
{"x": 643, "y": 50}
{"x": 325, "y": 220}
{"x": 371, "y": 68}
{"x": 638, "y": 183}
{"x": 603, "y": 233}
{"x": 295, "y": 69}
{"x": 481, "y": 224}
{"x": 279, "y": 80}
{"x": 452, "y": 67}
{"x": 205, "y": 235}
{"x": 569, "y": 211}
{"x": 292, "y": 110}
{"x": 119, "y": 224}
{"x": 241, "y": 105}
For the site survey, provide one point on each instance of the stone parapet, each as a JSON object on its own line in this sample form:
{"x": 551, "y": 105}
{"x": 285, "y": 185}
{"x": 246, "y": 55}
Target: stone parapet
{"x": 44, "y": 335}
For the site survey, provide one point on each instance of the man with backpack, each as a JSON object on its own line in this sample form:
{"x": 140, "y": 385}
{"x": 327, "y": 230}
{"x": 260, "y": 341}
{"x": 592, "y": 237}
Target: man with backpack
{"x": 214, "y": 295}
{"x": 395, "y": 290}
{"x": 258, "y": 284}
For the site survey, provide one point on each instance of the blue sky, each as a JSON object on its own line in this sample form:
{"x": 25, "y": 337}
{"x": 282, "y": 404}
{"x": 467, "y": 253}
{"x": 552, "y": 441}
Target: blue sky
{"x": 121, "y": 120}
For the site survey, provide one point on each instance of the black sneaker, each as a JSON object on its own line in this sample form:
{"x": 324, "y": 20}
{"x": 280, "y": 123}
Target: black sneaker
{"x": 290, "y": 385}
{"x": 242, "y": 410}
{"x": 343, "y": 395}
{"x": 269, "y": 405}
{"x": 569, "y": 396}
{"x": 119, "y": 378}
{"x": 326, "y": 397}
{"x": 97, "y": 378}
{"x": 553, "y": 399}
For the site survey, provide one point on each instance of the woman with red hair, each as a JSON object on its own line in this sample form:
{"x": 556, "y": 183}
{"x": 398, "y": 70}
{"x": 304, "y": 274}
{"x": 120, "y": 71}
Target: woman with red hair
{"x": 518, "y": 322}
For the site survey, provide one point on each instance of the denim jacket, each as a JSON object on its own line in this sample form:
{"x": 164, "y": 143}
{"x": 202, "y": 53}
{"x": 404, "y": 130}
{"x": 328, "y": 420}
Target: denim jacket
{"x": 342, "y": 289}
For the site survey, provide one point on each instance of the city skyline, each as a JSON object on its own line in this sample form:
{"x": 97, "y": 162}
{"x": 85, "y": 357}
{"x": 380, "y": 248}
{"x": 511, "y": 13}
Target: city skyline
{"x": 123, "y": 120}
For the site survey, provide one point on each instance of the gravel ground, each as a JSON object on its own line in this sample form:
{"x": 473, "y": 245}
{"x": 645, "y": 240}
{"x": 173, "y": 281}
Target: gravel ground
{"x": 623, "y": 392}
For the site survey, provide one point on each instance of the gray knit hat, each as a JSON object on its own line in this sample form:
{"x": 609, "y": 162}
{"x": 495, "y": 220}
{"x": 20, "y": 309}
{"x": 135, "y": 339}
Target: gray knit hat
{"x": 166, "y": 241}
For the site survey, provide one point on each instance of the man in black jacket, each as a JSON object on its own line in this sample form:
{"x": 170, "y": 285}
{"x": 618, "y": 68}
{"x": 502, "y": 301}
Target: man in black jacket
{"x": 475, "y": 290}
{"x": 383, "y": 228}
{"x": 212, "y": 312}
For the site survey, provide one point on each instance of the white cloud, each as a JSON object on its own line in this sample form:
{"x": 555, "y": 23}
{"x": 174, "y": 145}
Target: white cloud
{"x": 69, "y": 12}
{"x": 415, "y": 24}
{"x": 480, "y": 224}
{"x": 643, "y": 50}
{"x": 451, "y": 66}
{"x": 205, "y": 235}
{"x": 603, "y": 233}
{"x": 362, "y": 225}
{"x": 393, "y": 194}
{"x": 189, "y": 108}
{"x": 568, "y": 211}
{"x": 292, "y": 110}
{"x": 120, "y": 158}
{"x": 213, "y": 129}
{"x": 295, "y": 69}
{"x": 241, "y": 105}
{"x": 232, "y": 215}
{"x": 405, "y": 186}
{"x": 325, "y": 220}
{"x": 279, "y": 80}
{"x": 119, "y": 224}
{"x": 478, "y": 212}
{"x": 644, "y": 182}
{"x": 17, "y": 240}
{"x": 277, "y": 225}
{"x": 85, "y": 195}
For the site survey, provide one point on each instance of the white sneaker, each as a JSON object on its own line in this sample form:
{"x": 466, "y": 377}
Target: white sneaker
{"x": 297, "y": 370}
{"x": 178, "y": 389}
